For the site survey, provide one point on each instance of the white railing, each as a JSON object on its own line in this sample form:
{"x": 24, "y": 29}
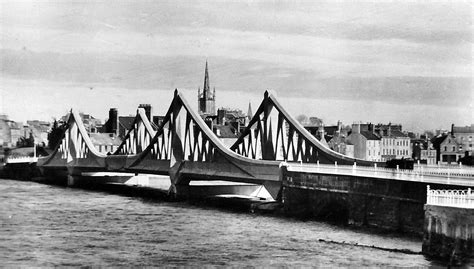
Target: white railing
{"x": 22, "y": 159}
{"x": 455, "y": 198}
{"x": 445, "y": 168}
{"x": 458, "y": 176}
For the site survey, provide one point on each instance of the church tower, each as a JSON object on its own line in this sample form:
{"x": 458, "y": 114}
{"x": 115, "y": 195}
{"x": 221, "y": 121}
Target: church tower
{"x": 206, "y": 98}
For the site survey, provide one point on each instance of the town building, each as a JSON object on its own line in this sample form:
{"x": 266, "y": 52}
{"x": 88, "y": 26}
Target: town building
{"x": 423, "y": 151}
{"x": 234, "y": 118}
{"x": 10, "y": 132}
{"x": 105, "y": 142}
{"x": 91, "y": 124}
{"x": 227, "y": 134}
{"x": 457, "y": 144}
{"x": 339, "y": 144}
{"x": 39, "y": 130}
{"x": 436, "y": 142}
{"x": 394, "y": 143}
{"x": 366, "y": 143}
{"x": 428, "y": 154}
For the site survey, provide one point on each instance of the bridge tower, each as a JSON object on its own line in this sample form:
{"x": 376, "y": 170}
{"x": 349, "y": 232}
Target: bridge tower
{"x": 206, "y": 98}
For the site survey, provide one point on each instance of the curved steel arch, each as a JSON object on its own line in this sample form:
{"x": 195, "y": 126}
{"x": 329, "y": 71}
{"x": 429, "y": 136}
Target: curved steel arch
{"x": 278, "y": 136}
{"x": 194, "y": 152}
{"x": 76, "y": 149}
{"x": 138, "y": 137}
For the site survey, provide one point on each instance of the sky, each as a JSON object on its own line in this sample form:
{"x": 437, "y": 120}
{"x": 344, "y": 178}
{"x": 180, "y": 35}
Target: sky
{"x": 407, "y": 62}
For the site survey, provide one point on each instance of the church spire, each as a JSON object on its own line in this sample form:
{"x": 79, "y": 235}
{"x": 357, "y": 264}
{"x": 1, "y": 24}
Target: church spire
{"x": 249, "y": 112}
{"x": 207, "y": 98}
{"x": 206, "y": 90}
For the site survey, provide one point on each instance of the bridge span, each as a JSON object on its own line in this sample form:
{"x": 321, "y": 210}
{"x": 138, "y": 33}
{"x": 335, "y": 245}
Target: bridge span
{"x": 184, "y": 148}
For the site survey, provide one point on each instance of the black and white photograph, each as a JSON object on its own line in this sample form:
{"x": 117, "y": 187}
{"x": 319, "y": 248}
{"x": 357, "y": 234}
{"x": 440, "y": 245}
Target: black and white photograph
{"x": 236, "y": 134}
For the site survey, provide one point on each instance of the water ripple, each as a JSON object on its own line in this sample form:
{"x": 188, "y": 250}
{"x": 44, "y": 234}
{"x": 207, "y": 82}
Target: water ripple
{"x": 46, "y": 226}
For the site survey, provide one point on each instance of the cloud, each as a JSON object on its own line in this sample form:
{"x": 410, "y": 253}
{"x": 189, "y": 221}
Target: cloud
{"x": 228, "y": 74}
{"x": 389, "y": 53}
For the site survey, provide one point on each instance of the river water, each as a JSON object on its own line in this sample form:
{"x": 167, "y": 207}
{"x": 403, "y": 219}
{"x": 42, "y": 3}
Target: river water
{"x": 43, "y": 225}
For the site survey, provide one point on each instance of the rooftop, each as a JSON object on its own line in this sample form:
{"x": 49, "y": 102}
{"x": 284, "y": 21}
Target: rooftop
{"x": 463, "y": 129}
{"x": 104, "y": 139}
{"x": 369, "y": 135}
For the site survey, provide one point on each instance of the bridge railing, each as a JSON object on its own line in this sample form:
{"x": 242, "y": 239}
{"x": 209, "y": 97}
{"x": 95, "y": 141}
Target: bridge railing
{"x": 455, "y": 198}
{"x": 21, "y": 159}
{"x": 455, "y": 176}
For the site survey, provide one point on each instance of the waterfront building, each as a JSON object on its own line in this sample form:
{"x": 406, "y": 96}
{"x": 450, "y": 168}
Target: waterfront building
{"x": 366, "y": 143}
{"x": 339, "y": 143}
{"x": 318, "y": 131}
{"x": 10, "y": 132}
{"x": 423, "y": 151}
{"x": 456, "y": 144}
{"x": 428, "y": 154}
{"x": 39, "y": 130}
{"x": 394, "y": 143}
{"x": 91, "y": 124}
{"x": 436, "y": 141}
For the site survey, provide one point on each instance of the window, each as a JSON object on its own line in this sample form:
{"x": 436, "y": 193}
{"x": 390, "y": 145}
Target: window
{"x": 445, "y": 148}
{"x": 454, "y": 148}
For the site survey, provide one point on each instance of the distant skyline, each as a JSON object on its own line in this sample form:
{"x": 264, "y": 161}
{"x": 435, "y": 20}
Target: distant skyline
{"x": 405, "y": 62}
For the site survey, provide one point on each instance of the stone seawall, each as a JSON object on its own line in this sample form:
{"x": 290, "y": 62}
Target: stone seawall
{"x": 389, "y": 204}
{"x": 20, "y": 171}
{"x": 448, "y": 232}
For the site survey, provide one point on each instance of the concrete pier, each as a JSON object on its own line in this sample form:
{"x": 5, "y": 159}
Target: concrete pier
{"x": 449, "y": 225}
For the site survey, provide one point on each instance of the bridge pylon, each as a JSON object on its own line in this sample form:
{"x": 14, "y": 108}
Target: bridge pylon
{"x": 138, "y": 137}
{"x": 273, "y": 134}
{"x": 75, "y": 153}
{"x": 192, "y": 152}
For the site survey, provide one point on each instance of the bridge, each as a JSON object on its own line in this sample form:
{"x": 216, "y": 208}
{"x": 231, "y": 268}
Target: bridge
{"x": 185, "y": 148}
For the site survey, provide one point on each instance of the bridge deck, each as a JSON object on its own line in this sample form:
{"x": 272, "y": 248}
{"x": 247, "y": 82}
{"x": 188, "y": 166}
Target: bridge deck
{"x": 451, "y": 176}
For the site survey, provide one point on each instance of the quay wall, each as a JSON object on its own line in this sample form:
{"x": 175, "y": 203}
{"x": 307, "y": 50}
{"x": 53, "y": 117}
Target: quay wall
{"x": 20, "y": 171}
{"x": 448, "y": 232}
{"x": 350, "y": 199}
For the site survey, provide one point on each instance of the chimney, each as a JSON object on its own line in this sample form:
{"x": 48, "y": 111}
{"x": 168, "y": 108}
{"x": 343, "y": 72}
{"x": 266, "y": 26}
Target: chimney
{"x": 356, "y": 128}
{"x": 147, "y": 108}
{"x": 452, "y": 129}
{"x": 112, "y": 123}
{"x": 371, "y": 128}
{"x": 221, "y": 116}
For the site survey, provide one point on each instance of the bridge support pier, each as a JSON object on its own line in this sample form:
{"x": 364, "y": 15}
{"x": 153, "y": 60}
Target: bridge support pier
{"x": 448, "y": 232}
{"x": 70, "y": 181}
{"x": 178, "y": 192}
